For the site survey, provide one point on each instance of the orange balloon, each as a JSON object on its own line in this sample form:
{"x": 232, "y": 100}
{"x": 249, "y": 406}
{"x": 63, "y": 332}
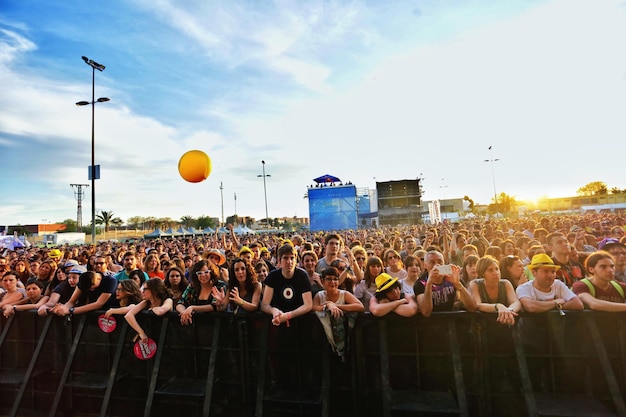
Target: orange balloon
{"x": 194, "y": 166}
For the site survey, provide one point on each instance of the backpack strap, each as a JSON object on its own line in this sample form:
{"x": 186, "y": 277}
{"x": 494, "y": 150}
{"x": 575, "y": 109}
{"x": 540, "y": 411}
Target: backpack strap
{"x": 592, "y": 289}
{"x": 618, "y": 288}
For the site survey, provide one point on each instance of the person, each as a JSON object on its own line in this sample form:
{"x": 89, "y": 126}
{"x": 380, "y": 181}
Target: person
{"x": 570, "y": 270}
{"x": 101, "y": 265}
{"x": 34, "y": 299}
{"x": 287, "y": 292}
{"x": 62, "y": 293}
{"x": 156, "y": 298}
{"x": 23, "y": 271}
{"x": 545, "y": 292}
{"x": 130, "y": 264}
{"x": 176, "y": 282}
{"x": 261, "y": 270}
{"x": 46, "y": 272}
{"x": 12, "y": 293}
{"x": 333, "y": 246}
{"x": 98, "y": 291}
{"x": 333, "y": 307}
{"x": 243, "y": 288}
{"x": 601, "y": 292}
{"x": 218, "y": 258}
{"x": 246, "y": 254}
{"x": 413, "y": 270}
{"x": 58, "y": 276}
{"x": 347, "y": 277}
{"x": 493, "y": 294}
{"x": 138, "y": 276}
{"x": 360, "y": 255}
{"x": 410, "y": 246}
{"x": 468, "y": 269}
{"x": 439, "y": 292}
{"x": 512, "y": 269}
{"x": 309, "y": 262}
{"x": 389, "y": 298}
{"x": 128, "y": 295}
{"x": 618, "y": 251}
{"x": 366, "y": 288}
{"x": 205, "y": 293}
{"x": 395, "y": 267}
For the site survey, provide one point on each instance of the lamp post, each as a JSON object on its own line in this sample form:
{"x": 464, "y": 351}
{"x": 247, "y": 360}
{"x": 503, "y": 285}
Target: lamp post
{"x": 94, "y": 66}
{"x": 267, "y": 218}
{"x": 493, "y": 177}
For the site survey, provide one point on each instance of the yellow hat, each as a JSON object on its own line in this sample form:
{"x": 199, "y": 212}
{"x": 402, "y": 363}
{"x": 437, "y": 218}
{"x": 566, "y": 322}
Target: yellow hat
{"x": 541, "y": 260}
{"x": 54, "y": 254}
{"x": 245, "y": 249}
{"x": 384, "y": 281}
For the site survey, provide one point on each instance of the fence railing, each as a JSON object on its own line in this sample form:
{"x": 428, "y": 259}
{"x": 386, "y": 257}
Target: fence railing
{"x": 240, "y": 365}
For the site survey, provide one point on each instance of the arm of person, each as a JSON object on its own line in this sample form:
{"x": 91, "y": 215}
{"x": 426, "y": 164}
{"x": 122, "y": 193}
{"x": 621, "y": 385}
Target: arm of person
{"x": 307, "y": 305}
{"x": 32, "y": 306}
{"x": 600, "y": 305}
{"x": 96, "y": 305}
{"x": 379, "y": 309}
{"x": 52, "y": 301}
{"x": 514, "y": 303}
{"x": 464, "y": 295}
{"x": 354, "y": 265}
{"x": 64, "y": 309}
{"x": 253, "y": 305}
{"x": 573, "y": 304}
{"x": 233, "y": 236}
{"x": 536, "y": 306}
{"x": 425, "y": 300}
{"x": 118, "y": 310}
{"x": 164, "y": 308}
{"x": 317, "y": 303}
{"x": 266, "y": 306}
{"x": 409, "y": 309}
{"x": 351, "y": 303}
{"x": 10, "y": 299}
{"x": 132, "y": 320}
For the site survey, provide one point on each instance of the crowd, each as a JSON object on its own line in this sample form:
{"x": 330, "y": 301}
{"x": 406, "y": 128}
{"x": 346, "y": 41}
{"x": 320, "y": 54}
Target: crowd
{"x": 500, "y": 267}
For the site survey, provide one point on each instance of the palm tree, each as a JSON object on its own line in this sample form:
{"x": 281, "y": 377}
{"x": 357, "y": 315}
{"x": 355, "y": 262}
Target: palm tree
{"x": 107, "y": 219}
{"x": 187, "y": 221}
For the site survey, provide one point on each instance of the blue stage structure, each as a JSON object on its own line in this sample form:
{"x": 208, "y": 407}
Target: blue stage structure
{"x": 332, "y": 205}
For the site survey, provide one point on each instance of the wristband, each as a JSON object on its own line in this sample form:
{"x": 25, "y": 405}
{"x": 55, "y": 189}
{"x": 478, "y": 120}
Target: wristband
{"x": 287, "y": 321}
{"x": 496, "y": 307}
{"x": 71, "y": 311}
{"x": 14, "y": 309}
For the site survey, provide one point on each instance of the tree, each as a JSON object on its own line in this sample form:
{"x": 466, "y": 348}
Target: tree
{"x": 107, "y": 218}
{"x": 135, "y": 221}
{"x": 205, "y": 221}
{"x": 70, "y": 224}
{"x": 593, "y": 188}
{"x": 616, "y": 190}
{"x": 506, "y": 204}
{"x": 187, "y": 221}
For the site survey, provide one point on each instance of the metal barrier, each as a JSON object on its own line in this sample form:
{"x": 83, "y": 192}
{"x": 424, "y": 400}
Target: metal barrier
{"x": 240, "y": 365}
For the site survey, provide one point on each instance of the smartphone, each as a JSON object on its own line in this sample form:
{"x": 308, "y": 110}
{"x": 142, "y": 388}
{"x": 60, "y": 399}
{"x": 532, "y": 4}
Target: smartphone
{"x": 444, "y": 269}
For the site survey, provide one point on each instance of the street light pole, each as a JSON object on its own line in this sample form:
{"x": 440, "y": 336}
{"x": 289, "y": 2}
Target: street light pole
{"x": 493, "y": 177}
{"x": 267, "y": 218}
{"x": 94, "y": 66}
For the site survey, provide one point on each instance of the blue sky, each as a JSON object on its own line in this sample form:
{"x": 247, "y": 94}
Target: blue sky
{"x": 365, "y": 91}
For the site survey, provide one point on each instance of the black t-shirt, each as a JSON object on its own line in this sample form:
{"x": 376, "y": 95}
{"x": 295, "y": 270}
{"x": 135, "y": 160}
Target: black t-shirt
{"x": 288, "y": 292}
{"x": 107, "y": 286}
{"x": 65, "y": 292}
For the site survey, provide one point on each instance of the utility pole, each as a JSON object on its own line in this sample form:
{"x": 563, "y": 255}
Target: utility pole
{"x": 79, "y": 194}
{"x": 235, "y": 206}
{"x": 222, "y": 195}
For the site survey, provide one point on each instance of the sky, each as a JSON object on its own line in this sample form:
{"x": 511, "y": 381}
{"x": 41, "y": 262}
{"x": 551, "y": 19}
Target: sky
{"x": 365, "y": 91}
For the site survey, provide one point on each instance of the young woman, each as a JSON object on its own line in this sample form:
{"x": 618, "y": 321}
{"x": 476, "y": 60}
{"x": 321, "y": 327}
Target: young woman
{"x": 205, "y": 293}
{"x": 176, "y": 282}
{"x": 34, "y": 299}
{"x": 309, "y": 261}
{"x": 389, "y": 298}
{"x": 12, "y": 294}
{"x": 23, "y": 271}
{"x": 128, "y": 295}
{"x": 138, "y": 276}
{"x": 395, "y": 268}
{"x": 156, "y": 298}
{"x": 58, "y": 277}
{"x": 366, "y": 289}
{"x": 413, "y": 270}
{"x": 512, "y": 269}
{"x": 261, "y": 270}
{"x": 492, "y": 294}
{"x": 152, "y": 266}
{"x": 334, "y": 300}
{"x": 243, "y": 288}
{"x": 46, "y": 272}
{"x": 468, "y": 271}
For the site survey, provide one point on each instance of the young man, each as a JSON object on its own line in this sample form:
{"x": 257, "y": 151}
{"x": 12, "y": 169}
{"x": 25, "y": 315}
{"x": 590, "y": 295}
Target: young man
{"x": 601, "y": 292}
{"x": 287, "y": 292}
{"x": 569, "y": 270}
{"x": 618, "y": 250}
{"x": 98, "y": 291}
{"x": 545, "y": 292}
{"x": 130, "y": 264}
{"x": 333, "y": 245}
